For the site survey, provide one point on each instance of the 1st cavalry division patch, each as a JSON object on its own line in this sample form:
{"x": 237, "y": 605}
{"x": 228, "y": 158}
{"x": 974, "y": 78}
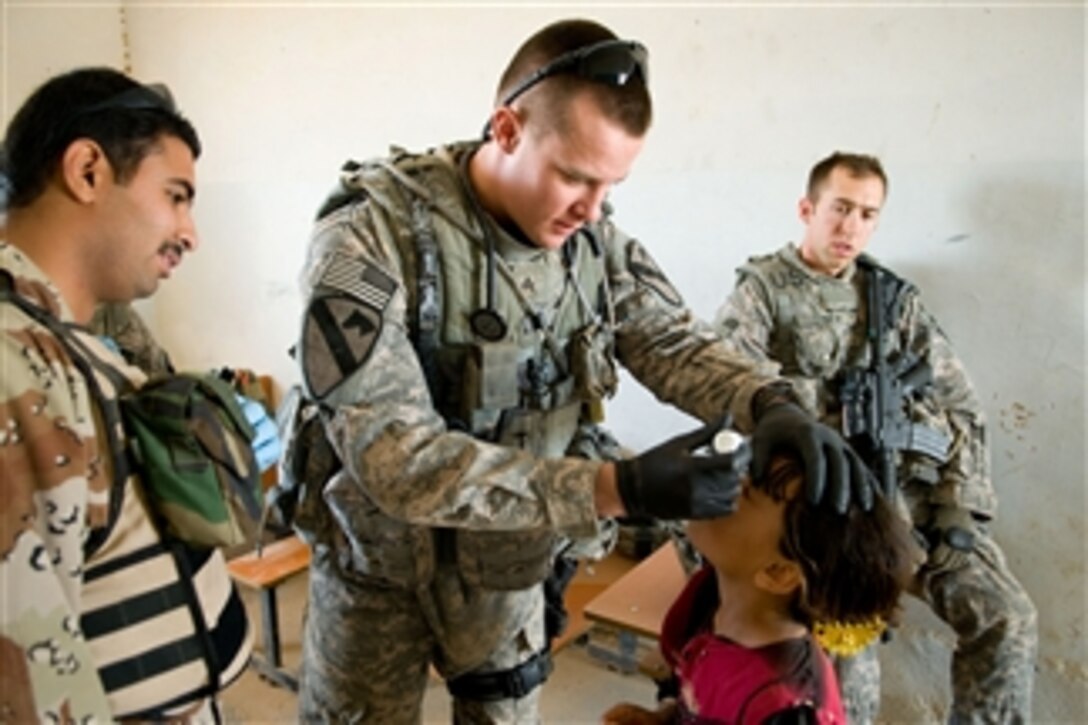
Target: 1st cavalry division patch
{"x": 342, "y": 323}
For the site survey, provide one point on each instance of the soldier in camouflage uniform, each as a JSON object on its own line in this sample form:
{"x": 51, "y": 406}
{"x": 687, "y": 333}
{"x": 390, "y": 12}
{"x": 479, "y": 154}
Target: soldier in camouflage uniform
{"x": 805, "y": 309}
{"x": 101, "y": 173}
{"x": 465, "y": 309}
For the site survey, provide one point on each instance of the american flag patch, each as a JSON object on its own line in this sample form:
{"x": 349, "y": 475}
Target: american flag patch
{"x": 358, "y": 278}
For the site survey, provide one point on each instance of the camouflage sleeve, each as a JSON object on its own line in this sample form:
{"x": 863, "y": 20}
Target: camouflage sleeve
{"x": 123, "y": 325}
{"x": 383, "y": 423}
{"x": 51, "y": 482}
{"x": 965, "y": 478}
{"x": 746, "y": 318}
{"x": 681, "y": 359}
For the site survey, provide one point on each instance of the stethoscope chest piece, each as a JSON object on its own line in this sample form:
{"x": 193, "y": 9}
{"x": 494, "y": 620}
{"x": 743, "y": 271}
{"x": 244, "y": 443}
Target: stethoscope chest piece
{"x": 488, "y": 324}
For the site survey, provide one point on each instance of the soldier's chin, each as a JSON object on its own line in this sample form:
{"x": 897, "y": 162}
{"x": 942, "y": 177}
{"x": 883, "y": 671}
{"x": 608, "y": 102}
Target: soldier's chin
{"x": 552, "y": 239}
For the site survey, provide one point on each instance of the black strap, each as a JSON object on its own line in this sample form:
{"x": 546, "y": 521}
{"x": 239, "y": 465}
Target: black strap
{"x": 511, "y": 684}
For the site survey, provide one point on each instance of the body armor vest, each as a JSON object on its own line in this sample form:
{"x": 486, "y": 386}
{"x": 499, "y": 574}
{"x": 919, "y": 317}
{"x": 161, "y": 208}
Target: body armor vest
{"x": 530, "y": 389}
{"x": 819, "y": 331}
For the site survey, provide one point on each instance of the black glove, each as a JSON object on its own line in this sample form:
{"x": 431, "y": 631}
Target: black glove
{"x": 951, "y": 537}
{"x": 672, "y": 482}
{"x": 830, "y": 462}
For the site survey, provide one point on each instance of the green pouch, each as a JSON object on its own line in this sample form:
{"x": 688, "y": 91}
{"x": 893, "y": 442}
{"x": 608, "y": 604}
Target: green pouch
{"x": 190, "y": 442}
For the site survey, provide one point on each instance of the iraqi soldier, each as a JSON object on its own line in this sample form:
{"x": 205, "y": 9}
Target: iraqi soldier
{"x": 101, "y": 173}
{"x": 465, "y": 312}
{"x": 805, "y": 308}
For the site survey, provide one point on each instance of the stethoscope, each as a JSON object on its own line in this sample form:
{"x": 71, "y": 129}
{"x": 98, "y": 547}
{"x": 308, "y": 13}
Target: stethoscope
{"x": 485, "y": 322}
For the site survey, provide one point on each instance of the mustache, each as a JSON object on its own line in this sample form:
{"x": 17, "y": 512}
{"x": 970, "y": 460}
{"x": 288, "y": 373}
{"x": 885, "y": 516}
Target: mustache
{"x": 174, "y": 248}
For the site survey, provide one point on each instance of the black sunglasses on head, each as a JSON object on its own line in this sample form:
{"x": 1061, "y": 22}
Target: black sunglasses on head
{"x": 153, "y": 96}
{"x": 613, "y": 62}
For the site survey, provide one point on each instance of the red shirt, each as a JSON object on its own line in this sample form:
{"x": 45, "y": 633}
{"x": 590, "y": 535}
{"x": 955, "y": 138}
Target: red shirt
{"x": 724, "y": 682}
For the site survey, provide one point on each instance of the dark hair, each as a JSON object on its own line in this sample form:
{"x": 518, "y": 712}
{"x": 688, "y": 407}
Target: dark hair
{"x": 857, "y": 165}
{"x": 855, "y": 565}
{"x": 628, "y": 105}
{"x": 125, "y": 118}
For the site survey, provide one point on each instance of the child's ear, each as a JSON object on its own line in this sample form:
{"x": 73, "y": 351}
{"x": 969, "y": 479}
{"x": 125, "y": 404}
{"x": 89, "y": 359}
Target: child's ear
{"x": 779, "y": 577}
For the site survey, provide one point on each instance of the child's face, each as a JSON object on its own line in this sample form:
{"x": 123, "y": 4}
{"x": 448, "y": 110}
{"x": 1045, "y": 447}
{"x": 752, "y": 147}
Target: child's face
{"x": 745, "y": 541}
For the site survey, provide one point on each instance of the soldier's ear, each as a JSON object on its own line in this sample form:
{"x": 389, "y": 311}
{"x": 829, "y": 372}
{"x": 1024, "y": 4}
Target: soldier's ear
{"x": 83, "y": 169}
{"x": 506, "y": 128}
{"x": 805, "y": 209}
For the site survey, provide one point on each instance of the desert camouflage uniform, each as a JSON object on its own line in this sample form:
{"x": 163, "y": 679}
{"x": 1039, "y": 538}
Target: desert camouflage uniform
{"x": 433, "y": 540}
{"x": 56, "y": 477}
{"x": 813, "y": 326}
{"x": 54, "y": 487}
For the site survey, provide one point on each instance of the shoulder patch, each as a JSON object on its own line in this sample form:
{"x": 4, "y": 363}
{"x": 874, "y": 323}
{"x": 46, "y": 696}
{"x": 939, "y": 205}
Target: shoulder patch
{"x": 357, "y": 277}
{"x": 645, "y": 269}
{"x": 342, "y": 325}
{"x": 338, "y": 335}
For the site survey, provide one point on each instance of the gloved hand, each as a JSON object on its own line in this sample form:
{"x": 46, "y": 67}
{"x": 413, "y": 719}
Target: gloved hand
{"x": 266, "y": 440}
{"x": 670, "y": 481}
{"x": 830, "y": 463}
{"x": 951, "y": 537}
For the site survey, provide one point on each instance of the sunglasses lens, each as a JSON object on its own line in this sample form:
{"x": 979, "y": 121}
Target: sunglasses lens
{"x": 615, "y": 64}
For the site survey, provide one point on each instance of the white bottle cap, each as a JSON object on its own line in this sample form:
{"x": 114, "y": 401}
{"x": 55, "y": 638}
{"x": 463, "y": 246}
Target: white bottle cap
{"x": 726, "y": 441}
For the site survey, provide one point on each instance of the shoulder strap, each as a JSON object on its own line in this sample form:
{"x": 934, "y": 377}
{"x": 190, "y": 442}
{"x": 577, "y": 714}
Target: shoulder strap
{"x": 80, "y": 355}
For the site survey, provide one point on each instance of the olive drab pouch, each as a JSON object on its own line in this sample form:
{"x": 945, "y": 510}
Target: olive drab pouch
{"x": 490, "y": 378}
{"x": 593, "y": 368}
{"x": 190, "y": 441}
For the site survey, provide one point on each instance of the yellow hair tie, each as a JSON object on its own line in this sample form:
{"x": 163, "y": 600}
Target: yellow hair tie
{"x": 846, "y": 639}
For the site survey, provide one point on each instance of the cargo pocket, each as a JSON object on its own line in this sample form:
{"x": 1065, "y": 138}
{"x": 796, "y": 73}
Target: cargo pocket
{"x": 373, "y": 546}
{"x": 504, "y": 561}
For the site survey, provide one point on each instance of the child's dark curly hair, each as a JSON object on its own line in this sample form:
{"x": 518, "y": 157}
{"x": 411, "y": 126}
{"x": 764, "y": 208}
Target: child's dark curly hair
{"x": 855, "y": 565}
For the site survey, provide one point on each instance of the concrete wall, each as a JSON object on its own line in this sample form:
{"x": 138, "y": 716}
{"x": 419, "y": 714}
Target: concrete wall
{"x": 977, "y": 111}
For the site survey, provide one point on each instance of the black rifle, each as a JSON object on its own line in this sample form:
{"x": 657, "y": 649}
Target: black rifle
{"x": 876, "y": 400}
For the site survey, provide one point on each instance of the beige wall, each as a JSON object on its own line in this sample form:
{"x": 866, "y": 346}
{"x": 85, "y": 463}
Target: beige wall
{"x": 978, "y": 113}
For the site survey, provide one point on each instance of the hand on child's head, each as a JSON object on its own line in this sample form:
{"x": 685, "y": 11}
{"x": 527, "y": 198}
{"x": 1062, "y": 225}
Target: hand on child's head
{"x": 782, "y": 480}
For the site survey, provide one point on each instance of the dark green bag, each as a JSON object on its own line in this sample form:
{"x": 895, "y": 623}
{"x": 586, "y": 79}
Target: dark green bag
{"x": 191, "y": 443}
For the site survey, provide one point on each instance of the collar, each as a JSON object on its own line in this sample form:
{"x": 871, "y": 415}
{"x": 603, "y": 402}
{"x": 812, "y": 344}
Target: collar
{"x": 32, "y": 283}
{"x": 791, "y": 255}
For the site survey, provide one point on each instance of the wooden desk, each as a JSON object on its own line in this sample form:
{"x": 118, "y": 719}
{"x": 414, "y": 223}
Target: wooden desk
{"x": 278, "y": 562}
{"x": 639, "y": 600}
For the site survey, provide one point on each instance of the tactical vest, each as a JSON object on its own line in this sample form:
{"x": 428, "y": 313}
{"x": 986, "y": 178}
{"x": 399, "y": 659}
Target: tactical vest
{"x": 818, "y": 326}
{"x": 819, "y": 330}
{"x": 528, "y": 390}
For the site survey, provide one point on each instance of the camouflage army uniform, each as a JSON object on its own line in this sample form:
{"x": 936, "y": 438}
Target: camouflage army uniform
{"x": 120, "y": 322}
{"x": 54, "y": 487}
{"x": 430, "y": 545}
{"x": 56, "y": 477}
{"x": 813, "y": 326}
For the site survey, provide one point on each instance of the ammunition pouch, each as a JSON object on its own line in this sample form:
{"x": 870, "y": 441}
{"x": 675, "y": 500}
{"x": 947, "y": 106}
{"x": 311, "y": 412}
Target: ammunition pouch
{"x": 593, "y": 367}
{"x": 511, "y": 684}
{"x": 490, "y": 379}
